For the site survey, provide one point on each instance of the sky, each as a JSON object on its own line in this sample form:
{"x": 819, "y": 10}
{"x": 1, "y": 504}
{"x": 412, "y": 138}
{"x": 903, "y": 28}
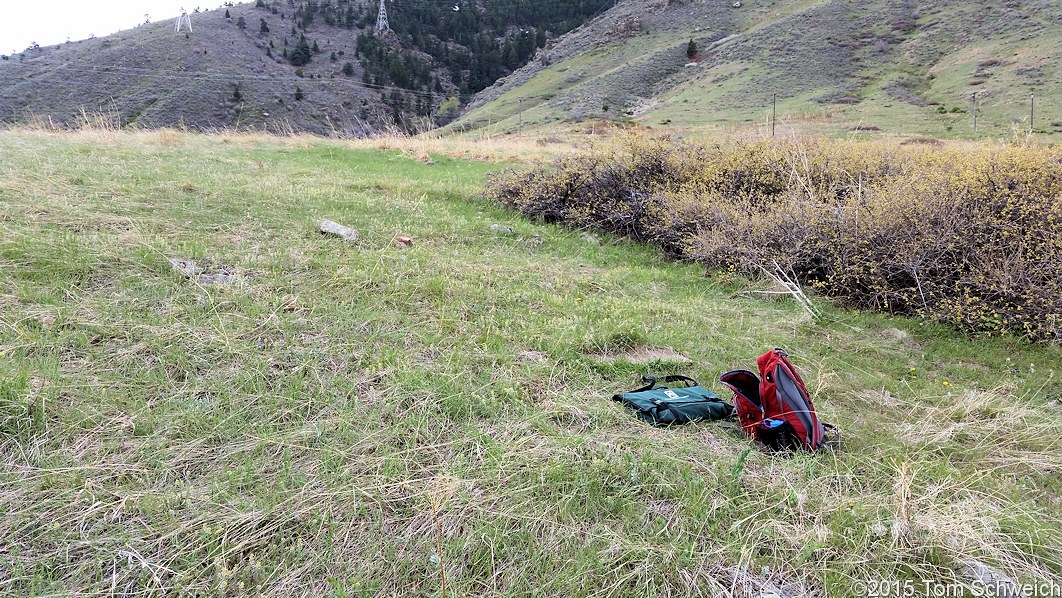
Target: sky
{"x": 50, "y": 22}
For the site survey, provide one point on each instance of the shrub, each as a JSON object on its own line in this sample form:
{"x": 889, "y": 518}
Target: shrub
{"x": 969, "y": 236}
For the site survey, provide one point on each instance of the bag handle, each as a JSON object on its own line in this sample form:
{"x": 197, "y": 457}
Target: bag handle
{"x": 652, "y": 381}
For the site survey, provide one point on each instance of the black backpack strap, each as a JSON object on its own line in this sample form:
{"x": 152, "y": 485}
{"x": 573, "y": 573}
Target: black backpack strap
{"x": 835, "y": 442}
{"x": 689, "y": 381}
{"x": 651, "y": 381}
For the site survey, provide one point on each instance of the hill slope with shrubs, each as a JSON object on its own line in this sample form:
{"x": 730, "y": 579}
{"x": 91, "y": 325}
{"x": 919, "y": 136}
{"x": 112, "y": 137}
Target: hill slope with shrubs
{"x": 834, "y": 65}
{"x": 967, "y": 236}
{"x": 309, "y": 65}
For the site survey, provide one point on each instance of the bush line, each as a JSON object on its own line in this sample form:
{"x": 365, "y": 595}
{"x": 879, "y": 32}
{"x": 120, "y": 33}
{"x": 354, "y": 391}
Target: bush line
{"x": 968, "y": 235}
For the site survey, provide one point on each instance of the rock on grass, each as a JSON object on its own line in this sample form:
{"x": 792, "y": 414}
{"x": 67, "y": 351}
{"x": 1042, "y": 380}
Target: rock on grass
{"x": 346, "y": 233}
{"x": 185, "y": 267}
{"x": 208, "y": 275}
{"x": 981, "y": 575}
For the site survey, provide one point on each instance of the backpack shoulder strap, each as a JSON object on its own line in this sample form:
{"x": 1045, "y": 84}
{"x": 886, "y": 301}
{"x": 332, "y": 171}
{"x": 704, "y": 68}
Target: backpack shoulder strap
{"x": 689, "y": 381}
{"x": 652, "y": 382}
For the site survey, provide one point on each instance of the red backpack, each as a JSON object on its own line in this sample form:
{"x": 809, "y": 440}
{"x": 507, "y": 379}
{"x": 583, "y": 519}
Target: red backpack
{"x": 777, "y": 410}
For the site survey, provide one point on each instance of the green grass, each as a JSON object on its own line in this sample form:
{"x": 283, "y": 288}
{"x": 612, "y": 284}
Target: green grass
{"x": 324, "y": 425}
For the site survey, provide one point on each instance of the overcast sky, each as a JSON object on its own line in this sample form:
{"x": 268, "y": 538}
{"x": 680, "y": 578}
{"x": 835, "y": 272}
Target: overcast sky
{"x": 49, "y": 22}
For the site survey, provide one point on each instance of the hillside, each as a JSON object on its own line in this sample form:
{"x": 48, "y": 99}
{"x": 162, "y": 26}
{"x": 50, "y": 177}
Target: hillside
{"x": 313, "y": 65}
{"x": 835, "y": 65}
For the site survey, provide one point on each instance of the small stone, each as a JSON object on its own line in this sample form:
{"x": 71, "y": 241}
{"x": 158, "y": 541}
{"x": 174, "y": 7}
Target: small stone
{"x": 982, "y": 576}
{"x": 185, "y": 267}
{"x": 216, "y": 279}
{"x": 334, "y": 228}
{"x": 403, "y": 241}
{"x": 501, "y": 229}
{"x": 590, "y": 238}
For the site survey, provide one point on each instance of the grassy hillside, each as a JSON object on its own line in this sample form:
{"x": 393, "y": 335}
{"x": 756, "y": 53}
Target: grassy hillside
{"x": 365, "y": 419}
{"x": 835, "y": 66}
{"x": 150, "y": 77}
{"x": 307, "y": 66}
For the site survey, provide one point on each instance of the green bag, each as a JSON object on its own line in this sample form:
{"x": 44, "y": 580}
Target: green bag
{"x": 662, "y": 403}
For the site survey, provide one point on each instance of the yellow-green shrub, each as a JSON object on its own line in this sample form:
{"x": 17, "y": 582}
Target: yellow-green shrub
{"x": 966, "y": 235}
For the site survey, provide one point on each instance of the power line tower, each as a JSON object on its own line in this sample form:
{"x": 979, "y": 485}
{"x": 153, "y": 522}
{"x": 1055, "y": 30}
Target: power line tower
{"x": 182, "y": 21}
{"x": 381, "y": 19}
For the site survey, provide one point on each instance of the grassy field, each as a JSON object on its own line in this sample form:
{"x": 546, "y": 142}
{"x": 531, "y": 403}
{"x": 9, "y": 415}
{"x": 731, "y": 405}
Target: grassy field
{"x": 370, "y": 420}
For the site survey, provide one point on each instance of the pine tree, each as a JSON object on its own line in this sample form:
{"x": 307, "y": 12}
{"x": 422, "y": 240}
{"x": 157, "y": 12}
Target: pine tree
{"x": 334, "y": 58}
{"x": 241, "y": 23}
{"x": 348, "y": 69}
{"x": 298, "y": 94}
{"x": 263, "y": 27}
{"x": 227, "y": 15}
{"x": 691, "y": 50}
{"x": 302, "y": 54}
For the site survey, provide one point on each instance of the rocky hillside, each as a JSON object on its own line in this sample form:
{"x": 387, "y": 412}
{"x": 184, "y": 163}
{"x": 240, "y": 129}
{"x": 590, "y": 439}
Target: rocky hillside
{"x": 307, "y": 65}
{"x": 910, "y": 67}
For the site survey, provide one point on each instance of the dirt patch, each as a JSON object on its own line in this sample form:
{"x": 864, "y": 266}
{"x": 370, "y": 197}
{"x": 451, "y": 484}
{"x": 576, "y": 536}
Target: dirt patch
{"x": 894, "y": 334}
{"x": 640, "y": 355}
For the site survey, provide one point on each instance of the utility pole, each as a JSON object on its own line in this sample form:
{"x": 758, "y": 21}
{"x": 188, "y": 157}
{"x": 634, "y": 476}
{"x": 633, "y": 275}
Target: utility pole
{"x": 183, "y": 20}
{"x": 975, "y": 111}
{"x": 774, "y": 112}
{"x": 1032, "y": 112}
{"x": 521, "y": 113}
{"x": 381, "y": 19}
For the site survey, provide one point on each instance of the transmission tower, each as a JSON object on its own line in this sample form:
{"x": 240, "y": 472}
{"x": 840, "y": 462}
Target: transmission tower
{"x": 381, "y": 18}
{"x": 182, "y": 21}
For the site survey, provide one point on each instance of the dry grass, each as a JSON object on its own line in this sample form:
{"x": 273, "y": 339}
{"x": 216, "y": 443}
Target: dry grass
{"x": 102, "y": 127}
{"x": 494, "y": 149}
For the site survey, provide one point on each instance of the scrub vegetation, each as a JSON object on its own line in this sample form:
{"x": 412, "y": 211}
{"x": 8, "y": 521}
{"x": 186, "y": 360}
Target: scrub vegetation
{"x": 390, "y": 419}
{"x": 968, "y": 235}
